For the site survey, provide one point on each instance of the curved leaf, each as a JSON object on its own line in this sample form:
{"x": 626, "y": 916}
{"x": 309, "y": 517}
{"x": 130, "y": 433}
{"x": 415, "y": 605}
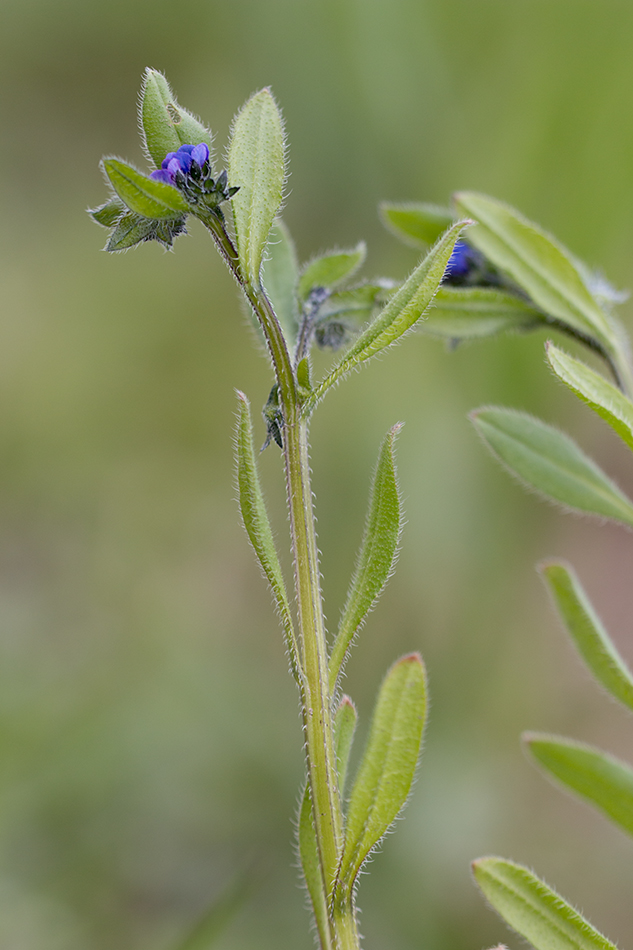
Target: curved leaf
{"x": 143, "y": 195}
{"x": 584, "y": 626}
{"x": 165, "y": 125}
{"x": 418, "y": 225}
{"x": 330, "y": 269}
{"x": 344, "y": 729}
{"x": 534, "y": 910}
{"x": 547, "y": 460}
{"x": 386, "y": 772}
{"x": 257, "y": 168}
{"x": 597, "y": 777}
{"x": 280, "y": 274}
{"x": 459, "y": 313}
{"x": 607, "y": 400}
{"x": 377, "y": 553}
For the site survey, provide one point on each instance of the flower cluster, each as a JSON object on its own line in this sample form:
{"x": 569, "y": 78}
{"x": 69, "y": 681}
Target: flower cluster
{"x": 189, "y": 170}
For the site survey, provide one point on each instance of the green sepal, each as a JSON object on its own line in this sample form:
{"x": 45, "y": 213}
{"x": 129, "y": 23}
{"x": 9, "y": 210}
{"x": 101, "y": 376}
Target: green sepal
{"x": 108, "y": 214}
{"x": 586, "y": 630}
{"x": 345, "y": 722}
{"x": 402, "y": 311}
{"x": 377, "y": 553}
{"x": 280, "y": 273}
{"x": 257, "y": 166}
{"x": 255, "y": 518}
{"x": 386, "y": 772}
{"x": 551, "y": 462}
{"x": 600, "y": 779}
{"x": 143, "y": 195}
{"x": 533, "y": 909}
{"x": 417, "y": 224}
{"x": 538, "y": 263}
{"x": 463, "y": 313}
{"x": 329, "y": 270}
{"x": 165, "y": 125}
{"x": 607, "y": 400}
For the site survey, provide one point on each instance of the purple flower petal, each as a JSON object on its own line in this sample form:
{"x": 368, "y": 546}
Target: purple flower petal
{"x": 161, "y": 174}
{"x": 173, "y": 168}
{"x": 200, "y": 154}
{"x": 460, "y": 260}
{"x": 186, "y": 148}
{"x": 167, "y": 159}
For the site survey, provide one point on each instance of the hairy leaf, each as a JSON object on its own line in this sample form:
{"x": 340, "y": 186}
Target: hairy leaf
{"x": 607, "y": 400}
{"x": 143, "y": 195}
{"x": 418, "y": 225}
{"x": 460, "y": 313}
{"x": 280, "y": 274}
{"x": 376, "y": 556}
{"x": 547, "y": 460}
{"x": 108, "y": 214}
{"x": 533, "y": 909}
{"x": 402, "y": 311}
{"x": 330, "y": 269}
{"x": 385, "y": 775}
{"x": 257, "y": 167}
{"x": 584, "y": 626}
{"x": 538, "y": 263}
{"x": 597, "y": 777}
{"x": 344, "y": 728}
{"x": 257, "y": 525}
{"x": 165, "y": 125}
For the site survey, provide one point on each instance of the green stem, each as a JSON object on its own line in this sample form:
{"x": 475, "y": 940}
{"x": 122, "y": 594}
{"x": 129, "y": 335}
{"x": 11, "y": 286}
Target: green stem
{"x": 344, "y": 919}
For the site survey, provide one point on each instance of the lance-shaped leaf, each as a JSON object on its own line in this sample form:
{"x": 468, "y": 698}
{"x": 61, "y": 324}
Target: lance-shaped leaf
{"x": 585, "y": 628}
{"x": 143, "y": 195}
{"x": 330, "y": 269}
{"x": 607, "y": 400}
{"x": 377, "y": 553}
{"x": 462, "y": 313}
{"x": 280, "y": 274}
{"x": 534, "y": 910}
{"x": 538, "y": 263}
{"x": 550, "y": 462}
{"x": 109, "y": 213}
{"x": 257, "y": 525}
{"x": 418, "y": 225}
{"x": 344, "y": 727}
{"x": 402, "y": 311}
{"x": 256, "y": 166}
{"x": 597, "y": 777}
{"x": 165, "y": 125}
{"x": 130, "y": 229}
{"x": 386, "y": 772}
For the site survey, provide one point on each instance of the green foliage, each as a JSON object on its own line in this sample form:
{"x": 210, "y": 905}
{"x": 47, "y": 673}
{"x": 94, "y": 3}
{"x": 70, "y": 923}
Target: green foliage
{"x": 418, "y": 225}
{"x": 609, "y": 402}
{"x": 257, "y": 167}
{"x": 533, "y": 909}
{"x": 402, "y": 311}
{"x": 376, "y": 556}
{"x": 386, "y": 771}
{"x": 257, "y": 525}
{"x": 597, "y": 777}
{"x": 551, "y": 463}
{"x": 344, "y": 729}
{"x": 165, "y": 125}
{"x": 592, "y": 640}
{"x": 462, "y": 313}
{"x": 107, "y": 214}
{"x": 143, "y": 195}
{"x": 329, "y": 270}
{"x": 280, "y": 274}
{"x": 538, "y": 264}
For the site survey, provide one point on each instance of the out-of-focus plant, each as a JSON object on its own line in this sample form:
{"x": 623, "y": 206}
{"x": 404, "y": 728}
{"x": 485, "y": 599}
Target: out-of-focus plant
{"x": 505, "y": 256}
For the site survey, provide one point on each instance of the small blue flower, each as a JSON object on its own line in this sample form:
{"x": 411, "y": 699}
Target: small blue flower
{"x": 188, "y": 159}
{"x": 460, "y": 261}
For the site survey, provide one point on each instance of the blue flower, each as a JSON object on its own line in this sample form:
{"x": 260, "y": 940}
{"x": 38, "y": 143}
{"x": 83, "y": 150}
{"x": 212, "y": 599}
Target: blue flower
{"x": 461, "y": 260}
{"x": 189, "y": 159}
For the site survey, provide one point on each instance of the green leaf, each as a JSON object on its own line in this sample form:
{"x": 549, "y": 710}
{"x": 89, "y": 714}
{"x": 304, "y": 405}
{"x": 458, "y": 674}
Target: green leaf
{"x": 165, "y": 125}
{"x": 330, "y": 269}
{"x": 310, "y": 865}
{"x": 344, "y": 728}
{"x": 418, "y": 225}
{"x": 459, "y": 313}
{"x": 131, "y": 229}
{"x": 386, "y": 772}
{"x": 107, "y": 214}
{"x": 591, "y": 639}
{"x": 402, "y": 311}
{"x": 257, "y": 525}
{"x": 280, "y": 274}
{"x": 377, "y": 553}
{"x": 541, "y": 266}
{"x": 547, "y": 460}
{"x": 360, "y": 302}
{"x": 257, "y": 167}
{"x": 143, "y": 195}
{"x": 535, "y": 911}
{"x": 607, "y": 400}
{"x": 597, "y": 777}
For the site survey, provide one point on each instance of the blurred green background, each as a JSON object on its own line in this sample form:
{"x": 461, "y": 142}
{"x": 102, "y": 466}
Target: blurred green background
{"x": 150, "y": 745}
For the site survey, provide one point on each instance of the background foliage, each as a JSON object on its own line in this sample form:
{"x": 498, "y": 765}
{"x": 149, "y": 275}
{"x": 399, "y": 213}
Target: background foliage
{"x": 148, "y": 727}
